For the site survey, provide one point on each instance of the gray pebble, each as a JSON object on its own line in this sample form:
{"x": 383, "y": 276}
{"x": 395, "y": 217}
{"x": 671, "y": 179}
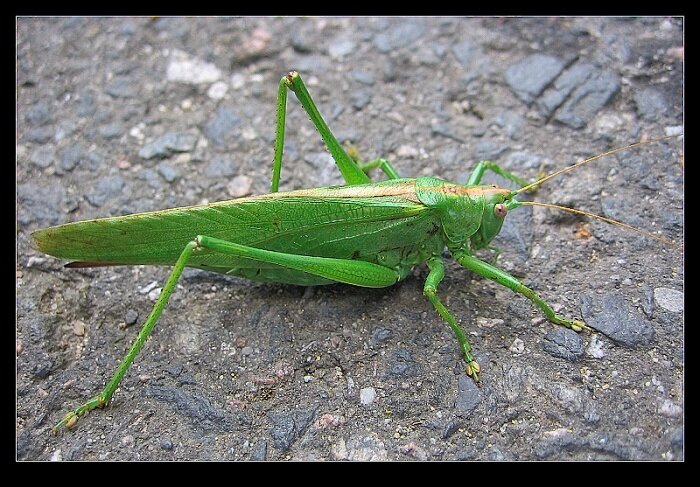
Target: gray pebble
{"x": 42, "y": 369}
{"x": 389, "y": 72}
{"x": 301, "y": 42}
{"x": 67, "y": 128}
{"x": 168, "y": 144}
{"x": 166, "y": 444}
{"x": 43, "y": 157}
{"x": 677, "y": 439}
{"x": 23, "y": 443}
{"x": 596, "y": 347}
{"x": 360, "y": 99}
{"x": 325, "y": 170}
{"x": 553, "y": 443}
{"x": 651, "y": 104}
{"x": 511, "y": 122}
{"x": 174, "y": 370}
{"x": 40, "y": 204}
{"x": 105, "y": 189}
{"x": 611, "y": 315}
{"x": 618, "y": 47}
{"x": 564, "y": 343}
{"x": 183, "y": 68}
{"x": 168, "y": 172}
{"x": 335, "y": 110}
{"x": 186, "y": 379}
{"x": 426, "y": 56}
{"x": 379, "y": 336}
{"x": 283, "y": 432}
{"x": 39, "y": 114}
{"x": 130, "y": 317}
{"x": 669, "y": 409}
{"x": 199, "y": 409}
{"x": 111, "y": 131}
{"x": 468, "y": 395}
{"x": 69, "y": 157}
{"x": 466, "y": 454}
{"x": 464, "y": 52}
{"x": 648, "y": 305}
{"x": 446, "y": 130}
{"x": 348, "y": 135}
{"x": 86, "y": 106}
{"x": 287, "y": 428}
{"x": 449, "y": 156}
{"x": 220, "y": 167}
{"x": 529, "y": 77}
{"x": 588, "y": 99}
{"x": 364, "y": 77}
{"x": 151, "y": 178}
{"x": 128, "y": 27}
{"x": 367, "y": 395}
{"x": 451, "y": 428}
{"x": 514, "y": 382}
{"x": 403, "y": 364}
{"x": 496, "y": 455}
{"x": 340, "y": 47}
{"x": 313, "y": 63}
{"x": 39, "y": 135}
{"x": 360, "y": 449}
{"x": 220, "y": 128}
{"x": 93, "y": 160}
{"x": 554, "y": 96}
{"x": 398, "y": 35}
{"x": 669, "y": 299}
{"x": 77, "y": 450}
{"x": 259, "y": 452}
{"x": 521, "y": 161}
{"x": 239, "y": 186}
{"x": 488, "y": 150}
{"x": 440, "y": 50}
{"x": 121, "y": 87}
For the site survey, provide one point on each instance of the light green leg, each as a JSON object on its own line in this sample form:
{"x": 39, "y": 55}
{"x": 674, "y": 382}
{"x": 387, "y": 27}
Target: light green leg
{"x": 502, "y": 277}
{"x": 279, "y": 135}
{"x": 385, "y": 166}
{"x": 350, "y": 171}
{"x": 103, "y": 398}
{"x": 481, "y": 168}
{"x": 496, "y": 253}
{"x": 437, "y": 272}
{"x": 355, "y": 272}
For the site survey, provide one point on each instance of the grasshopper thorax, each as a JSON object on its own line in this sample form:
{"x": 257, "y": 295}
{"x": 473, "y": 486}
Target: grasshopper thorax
{"x": 472, "y": 213}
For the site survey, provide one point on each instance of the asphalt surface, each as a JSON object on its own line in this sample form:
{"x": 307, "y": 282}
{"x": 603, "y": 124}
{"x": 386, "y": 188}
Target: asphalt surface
{"x": 125, "y": 115}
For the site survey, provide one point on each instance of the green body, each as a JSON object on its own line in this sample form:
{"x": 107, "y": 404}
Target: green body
{"x": 364, "y": 234}
{"x": 396, "y": 224}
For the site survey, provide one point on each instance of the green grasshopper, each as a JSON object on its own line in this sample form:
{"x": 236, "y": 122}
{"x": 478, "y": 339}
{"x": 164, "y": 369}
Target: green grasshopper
{"x": 363, "y": 233}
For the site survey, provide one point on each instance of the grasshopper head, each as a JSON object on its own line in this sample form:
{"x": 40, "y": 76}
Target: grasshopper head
{"x": 497, "y": 203}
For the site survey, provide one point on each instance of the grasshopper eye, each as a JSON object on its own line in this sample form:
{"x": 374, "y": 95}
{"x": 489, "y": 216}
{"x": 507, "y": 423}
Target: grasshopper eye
{"x": 500, "y": 210}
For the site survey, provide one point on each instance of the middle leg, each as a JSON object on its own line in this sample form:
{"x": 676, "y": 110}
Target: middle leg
{"x": 292, "y": 81}
{"x": 437, "y": 272}
{"x": 502, "y": 277}
{"x": 481, "y": 168}
{"x": 385, "y": 166}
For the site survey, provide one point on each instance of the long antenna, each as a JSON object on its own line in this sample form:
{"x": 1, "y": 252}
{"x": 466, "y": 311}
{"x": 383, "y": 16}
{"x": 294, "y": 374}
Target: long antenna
{"x": 608, "y": 220}
{"x": 591, "y": 159}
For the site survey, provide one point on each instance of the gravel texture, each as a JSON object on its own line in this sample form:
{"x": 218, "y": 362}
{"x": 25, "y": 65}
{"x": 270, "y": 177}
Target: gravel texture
{"x": 126, "y": 115}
